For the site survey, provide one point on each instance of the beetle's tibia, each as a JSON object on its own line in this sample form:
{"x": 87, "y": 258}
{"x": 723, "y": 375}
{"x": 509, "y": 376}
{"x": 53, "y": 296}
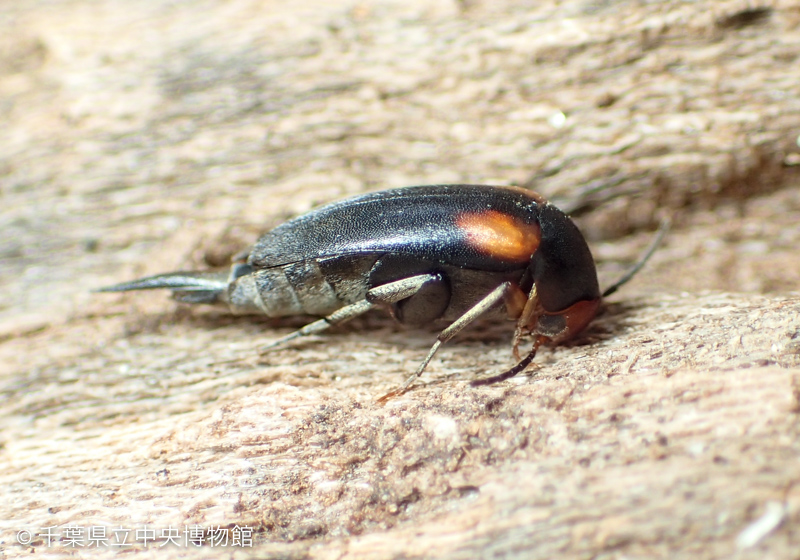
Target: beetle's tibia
{"x": 492, "y": 299}
{"x": 337, "y": 317}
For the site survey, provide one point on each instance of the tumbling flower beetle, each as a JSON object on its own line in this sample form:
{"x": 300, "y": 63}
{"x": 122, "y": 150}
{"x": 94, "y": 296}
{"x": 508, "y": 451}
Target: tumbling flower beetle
{"x": 454, "y": 252}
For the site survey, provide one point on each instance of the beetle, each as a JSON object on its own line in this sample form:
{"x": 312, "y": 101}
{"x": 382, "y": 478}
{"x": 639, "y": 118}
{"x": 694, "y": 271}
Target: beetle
{"x": 425, "y": 253}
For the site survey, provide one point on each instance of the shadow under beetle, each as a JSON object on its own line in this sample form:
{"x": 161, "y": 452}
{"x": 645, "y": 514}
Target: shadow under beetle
{"x": 449, "y": 252}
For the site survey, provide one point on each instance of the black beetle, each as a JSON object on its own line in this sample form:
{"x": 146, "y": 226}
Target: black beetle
{"x": 451, "y": 252}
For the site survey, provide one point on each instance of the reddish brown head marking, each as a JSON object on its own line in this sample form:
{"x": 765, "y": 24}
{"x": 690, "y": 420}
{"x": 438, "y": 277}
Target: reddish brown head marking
{"x": 500, "y": 235}
{"x": 579, "y": 315}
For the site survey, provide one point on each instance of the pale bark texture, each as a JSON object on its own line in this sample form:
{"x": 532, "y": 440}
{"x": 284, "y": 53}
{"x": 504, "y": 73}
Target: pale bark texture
{"x": 152, "y": 136}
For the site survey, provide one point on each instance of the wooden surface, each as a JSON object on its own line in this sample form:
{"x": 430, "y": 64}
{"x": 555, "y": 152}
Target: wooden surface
{"x": 140, "y": 138}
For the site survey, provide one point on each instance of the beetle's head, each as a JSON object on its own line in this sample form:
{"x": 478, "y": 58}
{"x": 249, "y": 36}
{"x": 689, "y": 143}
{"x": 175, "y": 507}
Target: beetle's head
{"x": 566, "y": 294}
{"x": 558, "y": 326}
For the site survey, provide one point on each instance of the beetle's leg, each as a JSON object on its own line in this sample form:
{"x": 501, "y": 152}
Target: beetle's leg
{"x": 391, "y": 292}
{"x": 514, "y": 370}
{"x": 515, "y": 301}
{"x": 484, "y": 305}
{"x": 526, "y": 319}
{"x": 339, "y": 316}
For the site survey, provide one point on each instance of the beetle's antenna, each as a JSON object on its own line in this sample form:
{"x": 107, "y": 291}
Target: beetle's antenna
{"x": 662, "y": 231}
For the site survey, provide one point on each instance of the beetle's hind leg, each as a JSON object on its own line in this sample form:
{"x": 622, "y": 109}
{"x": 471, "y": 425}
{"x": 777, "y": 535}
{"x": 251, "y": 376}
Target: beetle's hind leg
{"x": 337, "y": 317}
{"x": 385, "y": 294}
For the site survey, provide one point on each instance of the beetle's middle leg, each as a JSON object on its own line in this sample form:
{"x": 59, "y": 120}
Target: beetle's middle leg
{"x": 506, "y": 291}
{"x": 389, "y": 293}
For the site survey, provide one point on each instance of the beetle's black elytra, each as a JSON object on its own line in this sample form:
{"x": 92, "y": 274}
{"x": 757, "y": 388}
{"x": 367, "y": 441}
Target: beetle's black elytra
{"x": 445, "y": 252}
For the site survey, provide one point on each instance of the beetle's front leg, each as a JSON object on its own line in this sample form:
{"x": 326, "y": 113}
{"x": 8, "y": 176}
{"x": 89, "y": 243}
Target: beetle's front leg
{"x": 526, "y": 319}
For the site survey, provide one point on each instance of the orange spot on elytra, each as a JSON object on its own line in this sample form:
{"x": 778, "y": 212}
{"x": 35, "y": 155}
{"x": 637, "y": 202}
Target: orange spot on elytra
{"x": 500, "y": 235}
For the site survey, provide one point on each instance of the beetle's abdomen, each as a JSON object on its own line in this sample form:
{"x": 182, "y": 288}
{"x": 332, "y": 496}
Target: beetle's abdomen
{"x": 312, "y": 287}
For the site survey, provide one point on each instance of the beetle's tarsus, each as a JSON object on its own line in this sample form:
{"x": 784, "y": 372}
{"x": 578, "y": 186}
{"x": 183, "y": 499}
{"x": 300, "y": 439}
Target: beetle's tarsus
{"x": 519, "y": 368}
{"x": 265, "y": 349}
{"x": 413, "y": 377}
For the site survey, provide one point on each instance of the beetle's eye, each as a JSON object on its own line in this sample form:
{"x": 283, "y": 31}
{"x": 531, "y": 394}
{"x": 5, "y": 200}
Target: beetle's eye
{"x": 551, "y": 325}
